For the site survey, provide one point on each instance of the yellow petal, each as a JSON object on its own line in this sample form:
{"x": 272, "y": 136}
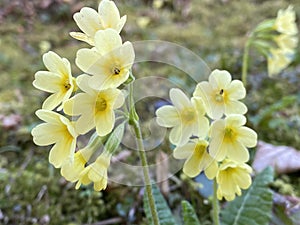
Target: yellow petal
{"x": 61, "y": 151}
{"x": 237, "y": 152}
{"x": 85, "y": 123}
{"x": 127, "y": 54}
{"x": 48, "y": 116}
{"x": 179, "y": 99}
{"x": 86, "y": 58}
{"x": 46, "y": 134}
{"x": 236, "y": 90}
{"x": 88, "y": 20}
{"x": 107, "y": 40}
{"x": 167, "y": 116}
{"x": 82, "y": 37}
{"x": 47, "y": 81}
{"x": 104, "y": 122}
{"x": 235, "y": 107}
{"x": 211, "y": 170}
{"x": 83, "y": 83}
{"x": 54, "y": 63}
{"x": 219, "y": 79}
{"x": 109, "y": 14}
{"x": 185, "y": 151}
{"x": 235, "y": 120}
{"x": 121, "y": 23}
{"x": 70, "y": 170}
{"x": 53, "y": 101}
{"x": 78, "y": 104}
{"x": 247, "y": 136}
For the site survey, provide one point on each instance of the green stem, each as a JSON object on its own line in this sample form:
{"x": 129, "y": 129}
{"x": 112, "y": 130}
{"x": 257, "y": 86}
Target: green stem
{"x": 134, "y": 121}
{"x": 216, "y": 208}
{"x": 245, "y": 62}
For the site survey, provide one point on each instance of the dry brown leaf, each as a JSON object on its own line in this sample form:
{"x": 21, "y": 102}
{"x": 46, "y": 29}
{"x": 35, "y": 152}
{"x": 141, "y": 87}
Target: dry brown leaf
{"x": 283, "y": 159}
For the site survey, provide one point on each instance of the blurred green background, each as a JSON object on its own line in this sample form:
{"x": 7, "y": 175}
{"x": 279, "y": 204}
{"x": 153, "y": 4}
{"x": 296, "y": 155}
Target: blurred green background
{"x": 33, "y": 192}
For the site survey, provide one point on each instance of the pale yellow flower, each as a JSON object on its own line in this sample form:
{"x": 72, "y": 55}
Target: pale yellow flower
{"x": 285, "y": 21}
{"x": 56, "y": 130}
{"x": 71, "y": 169}
{"x": 58, "y": 80}
{"x": 186, "y": 117}
{"x": 286, "y": 42}
{"x": 229, "y": 138}
{"x": 96, "y": 172}
{"x": 231, "y": 178}
{"x": 197, "y": 157}
{"x": 90, "y": 21}
{"x": 96, "y": 108}
{"x": 221, "y": 95}
{"x": 109, "y": 61}
{"x": 278, "y": 60}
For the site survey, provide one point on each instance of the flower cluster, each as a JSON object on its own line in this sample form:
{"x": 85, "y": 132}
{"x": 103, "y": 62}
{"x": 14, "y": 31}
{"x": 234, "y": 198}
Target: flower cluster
{"x": 106, "y": 65}
{"x": 277, "y": 40}
{"x": 217, "y": 146}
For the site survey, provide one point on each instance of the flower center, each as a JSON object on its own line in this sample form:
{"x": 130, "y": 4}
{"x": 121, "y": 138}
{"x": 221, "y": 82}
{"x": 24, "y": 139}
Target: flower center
{"x": 67, "y": 84}
{"x": 188, "y": 115}
{"x": 116, "y": 70}
{"x": 229, "y": 133}
{"x": 101, "y": 104}
{"x": 220, "y": 96}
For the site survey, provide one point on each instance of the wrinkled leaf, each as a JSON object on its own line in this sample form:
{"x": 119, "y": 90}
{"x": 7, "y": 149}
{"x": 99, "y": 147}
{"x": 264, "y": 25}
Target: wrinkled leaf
{"x": 188, "y": 214}
{"x": 283, "y": 159}
{"x": 164, "y": 213}
{"x": 254, "y": 206}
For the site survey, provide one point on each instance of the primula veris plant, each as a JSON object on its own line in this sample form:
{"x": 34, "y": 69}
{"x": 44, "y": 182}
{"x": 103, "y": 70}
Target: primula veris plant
{"x": 276, "y": 39}
{"x": 208, "y": 129}
{"x": 225, "y": 139}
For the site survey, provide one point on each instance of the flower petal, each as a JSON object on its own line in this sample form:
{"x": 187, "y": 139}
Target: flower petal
{"x": 47, "y": 81}
{"x": 235, "y": 107}
{"x": 107, "y": 40}
{"x": 185, "y": 151}
{"x": 109, "y": 14}
{"x": 237, "y": 152}
{"x": 247, "y": 136}
{"x": 219, "y": 79}
{"x": 179, "y": 99}
{"x": 88, "y": 20}
{"x": 61, "y": 151}
{"x": 86, "y": 58}
{"x": 104, "y": 122}
{"x": 167, "y": 116}
{"x": 236, "y": 90}
{"x": 54, "y": 63}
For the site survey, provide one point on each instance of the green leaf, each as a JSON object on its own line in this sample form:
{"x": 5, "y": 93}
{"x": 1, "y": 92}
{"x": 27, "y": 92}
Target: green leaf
{"x": 254, "y": 206}
{"x": 164, "y": 213}
{"x": 188, "y": 214}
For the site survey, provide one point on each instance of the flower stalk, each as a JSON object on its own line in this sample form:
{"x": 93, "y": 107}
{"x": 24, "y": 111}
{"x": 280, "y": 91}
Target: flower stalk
{"x": 216, "y": 208}
{"x": 134, "y": 121}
